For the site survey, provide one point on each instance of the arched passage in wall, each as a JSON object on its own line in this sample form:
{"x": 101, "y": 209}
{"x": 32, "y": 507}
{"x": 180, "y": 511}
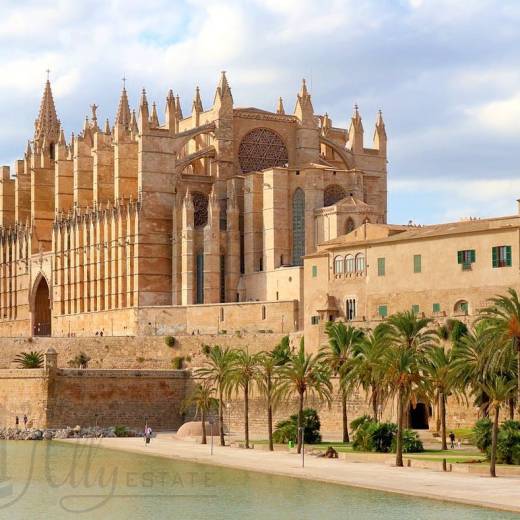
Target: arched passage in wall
{"x": 42, "y": 308}
{"x": 298, "y": 226}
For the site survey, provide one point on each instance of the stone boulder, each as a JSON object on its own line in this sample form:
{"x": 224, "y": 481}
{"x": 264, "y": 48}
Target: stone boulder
{"x": 194, "y": 429}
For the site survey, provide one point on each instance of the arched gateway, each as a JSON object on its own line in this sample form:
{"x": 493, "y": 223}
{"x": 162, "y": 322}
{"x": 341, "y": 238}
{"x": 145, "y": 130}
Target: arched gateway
{"x": 42, "y": 309}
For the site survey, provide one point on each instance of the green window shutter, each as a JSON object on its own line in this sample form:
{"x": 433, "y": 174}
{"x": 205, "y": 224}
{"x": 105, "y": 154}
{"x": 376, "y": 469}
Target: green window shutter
{"x": 460, "y": 257}
{"x": 380, "y": 267}
{"x": 416, "y": 263}
{"x": 494, "y": 255}
{"x": 508, "y": 256}
{"x": 436, "y": 307}
{"x": 383, "y": 311}
{"x": 473, "y": 256}
{"x": 415, "y": 309}
{"x": 314, "y": 271}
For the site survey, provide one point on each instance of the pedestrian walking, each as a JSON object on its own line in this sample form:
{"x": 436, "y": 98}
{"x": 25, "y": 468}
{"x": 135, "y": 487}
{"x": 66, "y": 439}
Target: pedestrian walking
{"x": 17, "y": 422}
{"x": 147, "y": 434}
{"x": 25, "y": 421}
{"x": 452, "y": 440}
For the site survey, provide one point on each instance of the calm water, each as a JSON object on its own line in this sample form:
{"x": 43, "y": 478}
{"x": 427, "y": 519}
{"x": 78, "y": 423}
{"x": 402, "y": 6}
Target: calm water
{"x": 53, "y": 480}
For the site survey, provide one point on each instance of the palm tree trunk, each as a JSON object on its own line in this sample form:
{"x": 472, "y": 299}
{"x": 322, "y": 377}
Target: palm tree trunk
{"x": 246, "y": 413}
{"x": 511, "y": 409}
{"x": 442, "y": 406}
{"x": 300, "y": 424}
{"x": 344, "y": 416}
{"x": 438, "y": 413}
{"x": 204, "y": 440}
{"x": 221, "y": 416}
{"x": 492, "y": 464}
{"x": 374, "y": 405}
{"x": 400, "y": 420}
{"x": 269, "y": 415}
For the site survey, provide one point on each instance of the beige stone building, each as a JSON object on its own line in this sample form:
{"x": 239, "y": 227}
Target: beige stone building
{"x": 439, "y": 271}
{"x": 196, "y": 223}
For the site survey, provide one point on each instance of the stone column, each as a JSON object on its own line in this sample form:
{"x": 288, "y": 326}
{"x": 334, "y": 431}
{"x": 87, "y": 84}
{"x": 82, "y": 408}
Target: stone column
{"x": 187, "y": 259}
{"x": 83, "y": 165}
{"x": 233, "y": 246}
{"x": 253, "y": 222}
{"x": 7, "y": 206}
{"x": 212, "y": 252}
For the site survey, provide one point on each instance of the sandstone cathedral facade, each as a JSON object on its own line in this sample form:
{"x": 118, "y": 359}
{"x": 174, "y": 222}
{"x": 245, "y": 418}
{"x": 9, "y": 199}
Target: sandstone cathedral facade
{"x": 198, "y": 222}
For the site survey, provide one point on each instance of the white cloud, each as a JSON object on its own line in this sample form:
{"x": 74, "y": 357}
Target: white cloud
{"x": 501, "y": 115}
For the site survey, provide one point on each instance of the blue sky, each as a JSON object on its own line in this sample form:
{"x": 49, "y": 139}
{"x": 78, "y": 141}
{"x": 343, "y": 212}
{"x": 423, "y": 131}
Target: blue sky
{"x": 446, "y": 74}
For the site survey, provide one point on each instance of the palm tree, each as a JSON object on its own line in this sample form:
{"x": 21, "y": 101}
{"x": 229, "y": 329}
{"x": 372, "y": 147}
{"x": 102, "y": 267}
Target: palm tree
{"x": 204, "y": 401}
{"x": 303, "y": 375}
{"x": 241, "y": 376}
{"x": 502, "y": 318}
{"x": 441, "y": 378}
{"x": 216, "y": 372}
{"x": 268, "y": 367}
{"x": 337, "y": 354}
{"x": 408, "y": 340}
{"x": 499, "y": 389}
{"x": 33, "y": 359}
{"x": 367, "y": 369}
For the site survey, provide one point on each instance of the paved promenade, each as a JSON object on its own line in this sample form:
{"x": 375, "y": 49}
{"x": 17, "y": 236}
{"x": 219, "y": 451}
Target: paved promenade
{"x": 500, "y": 493}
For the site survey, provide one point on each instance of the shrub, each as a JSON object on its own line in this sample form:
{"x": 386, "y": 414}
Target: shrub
{"x": 170, "y": 341}
{"x": 140, "y": 359}
{"x": 369, "y": 435}
{"x": 121, "y": 431}
{"x": 508, "y": 443}
{"x": 31, "y": 359}
{"x": 411, "y": 442}
{"x": 288, "y": 430}
{"x": 205, "y": 349}
{"x": 482, "y": 434}
{"x": 178, "y": 362}
{"x": 80, "y": 361}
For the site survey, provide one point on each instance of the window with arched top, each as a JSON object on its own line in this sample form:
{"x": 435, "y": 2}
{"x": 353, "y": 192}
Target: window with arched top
{"x": 350, "y": 226}
{"x": 298, "y": 226}
{"x": 360, "y": 263}
{"x": 261, "y": 148}
{"x": 332, "y": 194}
{"x": 338, "y": 265}
{"x": 461, "y": 307}
{"x": 200, "y": 209}
{"x": 350, "y": 265}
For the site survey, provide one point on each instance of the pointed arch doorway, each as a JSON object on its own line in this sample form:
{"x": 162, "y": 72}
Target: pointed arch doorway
{"x": 42, "y": 309}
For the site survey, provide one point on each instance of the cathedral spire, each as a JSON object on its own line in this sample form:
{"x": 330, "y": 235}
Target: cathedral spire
{"x": 178, "y": 108}
{"x": 123, "y": 110}
{"x": 197, "y": 102}
{"x": 47, "y": 124}
{"x": 223, "y": 97}
{"x": 304, "y": 110}
{"x": 280, "y": 109}
{"x": 170, "y": 112}
{"x": 154, "y": 119}
{"x": 355, "y": 132}
{"x": 380, "y": 138}
{"x": 107, "y": 126}
{"x": 144, "y": 114}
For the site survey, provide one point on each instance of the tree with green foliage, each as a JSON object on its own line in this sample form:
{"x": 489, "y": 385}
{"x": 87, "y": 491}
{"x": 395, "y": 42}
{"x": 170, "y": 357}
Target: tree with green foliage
{"x": 242, "y": 375}
{"x": 408, "y": 340}
{"x": 502, "y": 324}
{"x": 287, "y": 430}
{"x": 441, "y": 381}
{"x": 302, "y": 375}
{"x": 204, "y": 401}
{"x": 33, "y": 359}
{"x": 499, "y": 389}
{"x": 367, "y": 368}
{"x": 216, "y": 371}
{"x": 342, "y": 344}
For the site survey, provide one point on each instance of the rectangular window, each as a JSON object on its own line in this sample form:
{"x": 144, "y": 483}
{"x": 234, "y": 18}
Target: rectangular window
{"x": 315, "y": 320}
{"x": 415, "y": 309}
{"x": 466, "y": 258}
{"x": 436, "y": 307}
{"x": 416, "y": 263}
{"x": 501, "y": 256}
{"x": 350, "y": 309}
{"x": 382, "y": 311}
{"x": 314, "y": 271}
{"x": 380, "y": 267}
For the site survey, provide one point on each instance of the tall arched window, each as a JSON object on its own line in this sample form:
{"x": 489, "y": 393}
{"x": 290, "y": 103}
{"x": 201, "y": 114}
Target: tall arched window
{"x": 349, "y": 264}
{"x": 350, "y": 226}
{"x": 338, "y": 265}
{"x": 200, "y": 209}
{"x": 360, "y": 263}
{"x": 298, "y": 226}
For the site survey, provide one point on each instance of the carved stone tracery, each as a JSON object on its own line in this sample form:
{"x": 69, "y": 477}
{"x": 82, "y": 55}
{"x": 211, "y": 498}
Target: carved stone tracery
{"x": 260, "y": 149}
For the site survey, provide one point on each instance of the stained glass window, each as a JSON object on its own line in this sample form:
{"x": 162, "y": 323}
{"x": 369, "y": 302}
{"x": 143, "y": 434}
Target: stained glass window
{"x": 260, "y": 149}
{"x": 200, "y": 209}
